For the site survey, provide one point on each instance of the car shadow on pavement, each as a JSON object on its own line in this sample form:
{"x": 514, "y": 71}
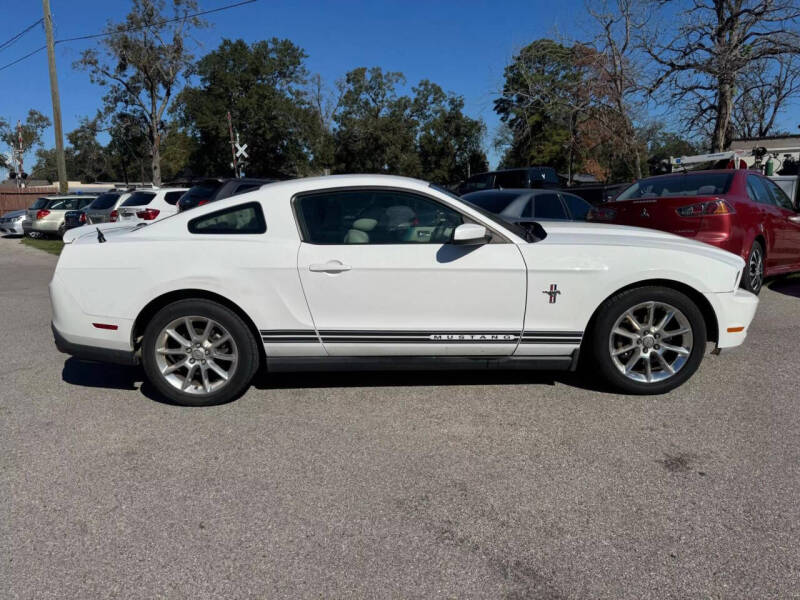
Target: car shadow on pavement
{"x": 789, "y": 286}
{"x": 101, "y": 375}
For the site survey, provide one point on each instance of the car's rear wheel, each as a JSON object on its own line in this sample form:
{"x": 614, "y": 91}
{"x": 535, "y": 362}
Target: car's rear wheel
{"x": 199, "y": 353}
{"x": 648, "y": 340}
{"x": 753, "y": 277}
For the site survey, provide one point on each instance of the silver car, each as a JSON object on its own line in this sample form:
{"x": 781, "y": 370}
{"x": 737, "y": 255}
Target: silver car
{"x": 46, "y": 215}
{"x": 104, "y": 208}
{"x": 11, "y": 222}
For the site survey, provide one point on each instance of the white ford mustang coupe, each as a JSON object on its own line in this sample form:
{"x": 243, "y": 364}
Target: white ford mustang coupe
{"x": 378, "y": 272}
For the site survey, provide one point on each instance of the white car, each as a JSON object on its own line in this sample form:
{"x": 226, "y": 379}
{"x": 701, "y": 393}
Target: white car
{"x": 148, "y": 205}
{"x": 380, "y": 272}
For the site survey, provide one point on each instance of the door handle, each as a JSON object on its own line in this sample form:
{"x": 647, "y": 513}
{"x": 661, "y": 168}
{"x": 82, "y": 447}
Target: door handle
{"x": 332, "y": 266}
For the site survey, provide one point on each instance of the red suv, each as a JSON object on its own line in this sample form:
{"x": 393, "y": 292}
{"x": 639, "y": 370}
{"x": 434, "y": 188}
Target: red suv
{"x": 737, "y": 210}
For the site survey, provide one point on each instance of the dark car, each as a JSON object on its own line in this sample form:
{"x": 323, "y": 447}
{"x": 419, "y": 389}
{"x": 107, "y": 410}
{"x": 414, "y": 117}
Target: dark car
{"x": 598, "y": 193}
{"x": 524, "y": 206}
{"x": 211, "y": 190}
{"x": 526, "y": 177}
{"x": 74, "y": 218}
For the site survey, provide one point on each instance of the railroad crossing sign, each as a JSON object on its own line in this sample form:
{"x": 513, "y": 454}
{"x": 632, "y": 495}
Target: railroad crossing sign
{"x": 241, "y": 151}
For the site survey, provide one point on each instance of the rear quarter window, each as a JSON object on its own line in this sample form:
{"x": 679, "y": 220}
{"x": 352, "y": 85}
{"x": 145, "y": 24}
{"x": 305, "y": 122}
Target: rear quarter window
{"x": 241, "y": 219}
{"x": 40, "y": 203}
{"x": 173, "y": 197}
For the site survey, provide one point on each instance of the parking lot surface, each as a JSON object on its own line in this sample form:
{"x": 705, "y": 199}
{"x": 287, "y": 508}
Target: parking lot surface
{"x": 433, "y": 485}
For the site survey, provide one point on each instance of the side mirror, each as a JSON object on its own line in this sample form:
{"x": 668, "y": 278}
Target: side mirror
{"x": 470, "y": 234}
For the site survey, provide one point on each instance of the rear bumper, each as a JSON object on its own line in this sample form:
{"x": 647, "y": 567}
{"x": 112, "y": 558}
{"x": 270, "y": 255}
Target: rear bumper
{"x": 93, "y": 353}
{"x": 735, "y": 311}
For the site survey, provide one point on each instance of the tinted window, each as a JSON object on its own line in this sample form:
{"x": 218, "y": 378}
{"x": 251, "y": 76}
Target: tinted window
{"x": 139, "y": 199}
{"x": 578, "y": 207}
{"x": 757, "y": 191}
{"x": 548, "y": 206}
{"x": 202, "y": 191}
{"x": 494, "y": 202}
{"x": 246, "y": 187}
{"x": 374, "y": 217}
{"x": 690, "y": 184}
{"x": 480, "y": 182}
{"x": 84, "y": 202}
{"x": 40, "y": 203}
{"x": 173, "y": 197}
{"x": 542, "y": 175}
{"x": 67, "y": 203}
{"x": 511, "y": 179}
{"x": 104, "y": 201}
{"x": 245, "y": 218}
{"x": 778, "y": 195}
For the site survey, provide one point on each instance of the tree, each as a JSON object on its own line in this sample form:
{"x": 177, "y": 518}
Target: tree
{"x": 143, "y": 63}
{"x": 448, "y": 142}
{"x": 546, "y": 97}
{"x": 88, "y": 160}
{"x": 375, "y": 127}
{"x": 764, "y": 91}
{"x": 701, "y": 64}
{"x": 31, "y": 130}
{"x": 263, "y": 85}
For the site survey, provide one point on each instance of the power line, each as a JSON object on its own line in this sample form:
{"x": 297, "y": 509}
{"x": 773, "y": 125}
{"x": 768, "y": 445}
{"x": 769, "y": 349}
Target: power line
{"x": 8, "y": 42}
{"x": 126, "y": 30}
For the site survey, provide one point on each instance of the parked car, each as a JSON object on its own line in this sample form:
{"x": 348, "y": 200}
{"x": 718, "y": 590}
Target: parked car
{"x": 383, "y": 272}
{"x": 526, "y": 177}
{"x": 105, "y": 207}
{"x": 211, "y": 190}
{"x": 46, "y": 216}
{"x": 737, "y": 210}
{"x": 146, "y": 205}
{"x": 11, "y": 222}
{"x": 529, "y": 206}
{"x": 74, "y": 218}
{"x": 597, "y": 194}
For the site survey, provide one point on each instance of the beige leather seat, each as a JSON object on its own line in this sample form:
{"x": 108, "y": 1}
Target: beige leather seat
{"x": 359, "y": 232}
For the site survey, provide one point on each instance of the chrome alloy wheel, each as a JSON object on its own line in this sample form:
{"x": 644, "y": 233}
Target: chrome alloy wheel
{"x": 196, "y": 355}
{"x": 755, "y": 268}
{"x": 651, "y": 342}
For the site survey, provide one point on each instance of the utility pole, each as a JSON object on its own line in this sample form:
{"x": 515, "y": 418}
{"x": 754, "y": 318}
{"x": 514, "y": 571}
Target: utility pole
{"x": 234, "y": 163}
{"x": 51, "y": 60}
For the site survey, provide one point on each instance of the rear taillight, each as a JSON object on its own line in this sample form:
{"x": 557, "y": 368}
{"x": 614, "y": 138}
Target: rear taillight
{"x": 202, "y": 202}
{"x": 82, "y": 218}
{"x": 113, "y": 216}
{"x": 42, "y": 214}
{"x": 148, "y": 214}
{"x": 600, "y": 213}
{"x": 702, "y": 209}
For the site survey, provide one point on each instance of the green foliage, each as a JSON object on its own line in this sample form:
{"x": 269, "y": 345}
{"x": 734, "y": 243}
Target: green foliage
{"x": 32, "y": 130}
{"x": 263, "y": 87}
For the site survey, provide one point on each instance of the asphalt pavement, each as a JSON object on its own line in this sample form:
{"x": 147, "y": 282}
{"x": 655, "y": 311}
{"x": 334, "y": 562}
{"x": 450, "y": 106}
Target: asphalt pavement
{"x": 403, "y": 485}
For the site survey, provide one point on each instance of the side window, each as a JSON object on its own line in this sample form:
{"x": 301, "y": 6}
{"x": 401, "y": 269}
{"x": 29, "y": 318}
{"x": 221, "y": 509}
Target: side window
{"x": 511, "y": 179}
{"x": 757, "y": 191}
{"x": 245, "y": 218}
{"x": 173, "y": 197}
{"x": 548, "y": 206}
{"x": 577, "y": 206}
{"x": 374, "y": 217}
{"x": 778, "y": 195}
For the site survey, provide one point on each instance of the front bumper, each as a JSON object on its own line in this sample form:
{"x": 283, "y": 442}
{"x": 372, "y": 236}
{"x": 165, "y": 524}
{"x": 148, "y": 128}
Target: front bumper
{"x": 735, "y": 311}
{"x": 13, "y": 228}
{"x": 93, "y": 353}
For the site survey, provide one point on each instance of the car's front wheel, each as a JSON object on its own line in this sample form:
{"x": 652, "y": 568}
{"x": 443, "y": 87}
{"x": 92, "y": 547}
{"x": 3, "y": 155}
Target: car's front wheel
{"x": 199, "y": 353}
{"x": 648, "y": 340}
{"x": 753, "y": 276}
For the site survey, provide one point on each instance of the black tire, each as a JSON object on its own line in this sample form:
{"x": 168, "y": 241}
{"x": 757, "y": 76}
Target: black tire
{"x": 246, "y": 346}
{"x": 753, "y": 276}
{"x": 616, "y": 306}
{"x": 61, "y": 229}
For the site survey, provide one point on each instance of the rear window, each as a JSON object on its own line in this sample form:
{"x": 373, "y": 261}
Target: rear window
{"x": 139, "y": 199}
{"x": 495, "y": 202}
{"x": 202, "y": 191}
{"x": 40, "y": 203}
{"x": 548, "y": 206}
{"x": 104, "y": 201}
{"x": 511, "y": 179}
{"x": 690, "y": 184}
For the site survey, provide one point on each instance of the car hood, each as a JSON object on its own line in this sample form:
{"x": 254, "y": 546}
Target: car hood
{"x": 579, "y": 233}
{"x": 13, "y": 214}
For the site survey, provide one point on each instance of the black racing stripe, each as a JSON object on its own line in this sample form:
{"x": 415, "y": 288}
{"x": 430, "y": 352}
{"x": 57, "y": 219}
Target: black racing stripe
{"x": 377, "y": 340}
{"x": 552, "y": 341}
{"x": 552, "y": 334}
{"x": 385, "y": 333}
{"x": 290, "y": 340}
{"x": 288, "y": 332}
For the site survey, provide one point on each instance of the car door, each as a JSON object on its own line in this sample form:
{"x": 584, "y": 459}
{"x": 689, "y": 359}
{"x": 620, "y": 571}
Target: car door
{"x": 770, "y": 224}
{"x": 382, "y": 278}
{"x": 789, "y": 221}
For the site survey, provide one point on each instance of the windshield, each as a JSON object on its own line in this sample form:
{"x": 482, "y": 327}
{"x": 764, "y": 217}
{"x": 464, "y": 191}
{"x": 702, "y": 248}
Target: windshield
{"x": 139, "y": 199}
{"x": 104, "y": 201}
{"x": 689, "y": 184}
{"x": 514, "y": 228}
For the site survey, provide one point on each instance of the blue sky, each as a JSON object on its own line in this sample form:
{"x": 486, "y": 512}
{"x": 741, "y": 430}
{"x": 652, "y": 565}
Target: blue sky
{"x": 461, "y": 45}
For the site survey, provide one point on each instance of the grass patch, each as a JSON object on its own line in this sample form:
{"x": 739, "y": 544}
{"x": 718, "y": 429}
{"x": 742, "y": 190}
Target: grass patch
{"x": 51, "y": 246}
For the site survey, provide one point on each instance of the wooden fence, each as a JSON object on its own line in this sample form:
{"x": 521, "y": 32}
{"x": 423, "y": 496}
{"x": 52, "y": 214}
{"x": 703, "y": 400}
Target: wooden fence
{"x": 13, "y": 199}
